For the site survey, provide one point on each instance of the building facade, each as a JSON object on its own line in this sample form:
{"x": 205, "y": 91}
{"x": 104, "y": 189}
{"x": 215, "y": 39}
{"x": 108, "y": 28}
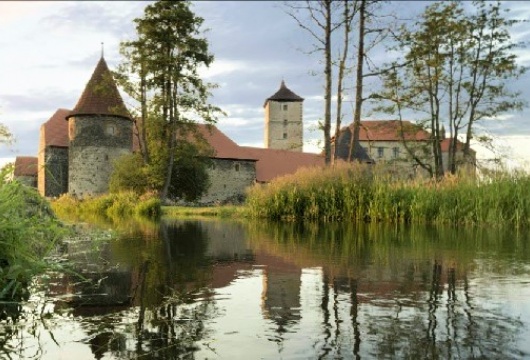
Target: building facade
{"x": 284, "y": 128}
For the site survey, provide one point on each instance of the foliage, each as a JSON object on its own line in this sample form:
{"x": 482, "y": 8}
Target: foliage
{"x": 455, "y": 70}
{"x": 367, "y": 193}
{"x": 29, "y": 231}
{"x": 6, "y": 172}
{"x": 165, "y": 58}
{"x": 5, "y": 135}
{"x": 189, "y": 180}
{"x": 111, "y": 206}
{"x": 225, "y": 211}
{"x": 129, "y": 174}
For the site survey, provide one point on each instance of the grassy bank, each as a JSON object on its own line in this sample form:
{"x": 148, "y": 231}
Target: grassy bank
{"x": 110, "y": 206}
{"x": 347, "y": 192}
{"x": 227, "y": 211}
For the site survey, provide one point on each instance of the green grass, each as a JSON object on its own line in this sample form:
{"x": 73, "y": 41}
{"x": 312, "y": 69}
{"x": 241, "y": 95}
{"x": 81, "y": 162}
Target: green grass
{"x": 227, "y": 211}
{"x": 110, "y": 206}
{"x": 362, "y": 193}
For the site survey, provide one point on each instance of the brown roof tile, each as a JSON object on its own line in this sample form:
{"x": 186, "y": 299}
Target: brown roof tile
{"x": 391, "y": 130}
{"x": 284, "y": 94}
{"x": 273, "y": 163}
{"x": 56, "y": 129}
{"x": 101, "y": 95}
{"x": 25, "y": 166}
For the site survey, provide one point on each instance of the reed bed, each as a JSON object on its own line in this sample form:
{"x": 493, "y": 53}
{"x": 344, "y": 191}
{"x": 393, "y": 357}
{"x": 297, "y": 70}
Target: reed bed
{"x": 370, "y": 193}
{"x": 112, "y": 206}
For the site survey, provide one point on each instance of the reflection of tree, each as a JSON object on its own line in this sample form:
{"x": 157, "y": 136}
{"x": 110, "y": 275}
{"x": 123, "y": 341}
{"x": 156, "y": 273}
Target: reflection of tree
{"x": 408, "y": 296}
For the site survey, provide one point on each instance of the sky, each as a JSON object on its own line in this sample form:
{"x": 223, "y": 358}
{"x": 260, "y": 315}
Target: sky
{"x": 50, "y": 49}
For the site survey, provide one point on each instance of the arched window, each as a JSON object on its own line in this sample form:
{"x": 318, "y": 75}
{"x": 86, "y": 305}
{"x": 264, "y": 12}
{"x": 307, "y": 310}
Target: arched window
{"x": 110, "y": 129}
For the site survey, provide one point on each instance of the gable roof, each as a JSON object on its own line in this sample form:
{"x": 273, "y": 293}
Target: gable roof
{"x": 101, "y": 95}
{"x": 270, "y": 164}
{"x": 25, "y": 166}
{"x": 283, "y": 94}
{"x": 56, "y": 129}
{"x": 222, "y": 145}
{"x": 273, "y": 163}
{"x": 390, "y": 130}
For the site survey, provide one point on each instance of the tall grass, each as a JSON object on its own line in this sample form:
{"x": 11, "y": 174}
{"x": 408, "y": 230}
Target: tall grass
{"x": 29, "y": 232}
{"x": 361, "y": 192}
{"x": 111, "y": 206}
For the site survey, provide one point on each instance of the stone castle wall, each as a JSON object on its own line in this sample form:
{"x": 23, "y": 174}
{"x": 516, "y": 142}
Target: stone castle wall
{"x": 54, "y": 171}
{"x": 95, "y": 143}
{"x": 229, "y": 180}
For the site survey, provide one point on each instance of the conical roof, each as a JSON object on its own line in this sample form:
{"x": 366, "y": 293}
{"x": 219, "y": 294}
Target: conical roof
{"x": 284, "y": 94}
{"x": 101, "y": 95}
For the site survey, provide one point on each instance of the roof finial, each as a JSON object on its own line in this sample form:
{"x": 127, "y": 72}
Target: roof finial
{"x": 102, "y": 49}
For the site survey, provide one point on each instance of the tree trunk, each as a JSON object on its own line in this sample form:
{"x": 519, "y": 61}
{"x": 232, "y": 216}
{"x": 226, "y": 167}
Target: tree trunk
{"x": 354, "y": 140}
{"x": 328, "y": 75}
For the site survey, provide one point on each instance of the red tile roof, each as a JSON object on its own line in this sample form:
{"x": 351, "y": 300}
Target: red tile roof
{"x": 56, "y": 129}
{"x": 101, "y": 95}
{"x": 273, "y": 163}
{"x": 391, "y": 130}
{"x": 223, "y": 146}
{"x": 25, "y": 166}
{"x": 284, "y": 94}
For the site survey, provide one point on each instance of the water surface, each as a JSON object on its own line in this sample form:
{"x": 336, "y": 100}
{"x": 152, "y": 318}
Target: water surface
{"x": 198, "y": 289}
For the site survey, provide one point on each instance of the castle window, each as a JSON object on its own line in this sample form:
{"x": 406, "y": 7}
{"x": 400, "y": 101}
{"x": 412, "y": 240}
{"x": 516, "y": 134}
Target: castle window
{"x": 285, "y": 107}
{"x": 285, "y": 135}
{"x": 285, "y": 122}
{"x": 380, "y": 152}
{"x": 106, "y": 157}
{"x": 110, "y": 129}
{"x": 71, "y": 129}
{"x": 395, "y": 152}
{"x": 237, "y": 167}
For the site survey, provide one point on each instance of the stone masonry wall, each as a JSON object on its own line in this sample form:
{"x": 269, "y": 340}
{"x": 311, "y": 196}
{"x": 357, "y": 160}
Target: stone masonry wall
{"x": 54, "y": 171}
{"x": 95, "y": 143}
{"x": 229, "y": 180}
{"x": 284, "y": 125}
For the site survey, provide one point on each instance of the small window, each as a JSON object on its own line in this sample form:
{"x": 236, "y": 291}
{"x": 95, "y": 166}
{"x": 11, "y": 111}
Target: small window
{"x": 110, "y": 129}
{"x": 285, "y": 107}
{"x": 395, "y": 152}
{"x": 106, "y": 157}
{"x": 237, "y": 167}
{"x": 380, "y": 152}
{"x": 285, "y": 122}
{"x": 285, "y": 135}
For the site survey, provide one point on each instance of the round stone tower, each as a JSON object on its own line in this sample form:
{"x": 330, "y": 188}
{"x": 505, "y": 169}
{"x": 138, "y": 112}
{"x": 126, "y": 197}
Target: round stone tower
{"x": 100, "y": 130}
{"x": 284, "y": 120}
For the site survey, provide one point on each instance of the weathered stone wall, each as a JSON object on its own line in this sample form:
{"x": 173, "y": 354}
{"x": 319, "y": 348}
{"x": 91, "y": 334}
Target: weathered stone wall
{"x": 53, "y": 171}
{"x": 27, "y": 180}
{"x": 95, "y": 143}
{"x": 229, "y": 180}
{"x": 284, "y": 125}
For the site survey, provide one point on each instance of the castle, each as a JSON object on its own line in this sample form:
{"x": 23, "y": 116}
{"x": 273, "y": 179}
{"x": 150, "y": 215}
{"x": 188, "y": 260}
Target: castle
{"x": 77, "y": 147}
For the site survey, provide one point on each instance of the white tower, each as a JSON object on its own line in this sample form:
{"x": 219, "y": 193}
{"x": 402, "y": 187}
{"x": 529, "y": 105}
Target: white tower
{"x": 284, "y": 120}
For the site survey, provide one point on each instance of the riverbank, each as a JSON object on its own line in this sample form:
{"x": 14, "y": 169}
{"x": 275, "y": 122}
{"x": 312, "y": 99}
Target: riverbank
{"x": 372, "y": 194}
{"x": 222, "y": 211}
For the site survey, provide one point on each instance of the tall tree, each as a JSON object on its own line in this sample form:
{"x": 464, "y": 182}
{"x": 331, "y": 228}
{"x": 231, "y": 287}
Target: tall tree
{"x": 166, "y": 57}
{"x": 456, "y": 68}
{"x": 323, "y": 21}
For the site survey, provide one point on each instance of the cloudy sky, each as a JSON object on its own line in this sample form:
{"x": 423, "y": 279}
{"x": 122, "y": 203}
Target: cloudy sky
{"x": 50, "y": 49}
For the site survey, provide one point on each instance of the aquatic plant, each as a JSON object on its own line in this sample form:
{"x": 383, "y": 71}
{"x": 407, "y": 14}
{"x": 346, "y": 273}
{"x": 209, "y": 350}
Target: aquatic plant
{"x": 372, "y": 193}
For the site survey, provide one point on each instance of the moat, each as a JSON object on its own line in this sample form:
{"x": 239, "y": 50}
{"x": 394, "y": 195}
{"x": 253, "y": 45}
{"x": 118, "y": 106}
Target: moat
{"x": 211, "y": 289}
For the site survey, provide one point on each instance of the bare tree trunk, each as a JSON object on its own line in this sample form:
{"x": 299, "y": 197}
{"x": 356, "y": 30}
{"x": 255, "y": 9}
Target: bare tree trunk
{"x": 342, "y": 67}
{"x": 354, "y": 140}
{"x": 328, "y": 75}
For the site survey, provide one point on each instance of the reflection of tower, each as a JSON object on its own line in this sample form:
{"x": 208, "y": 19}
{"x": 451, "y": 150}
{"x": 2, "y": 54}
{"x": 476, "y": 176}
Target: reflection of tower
{"x": 281, "y": 293}
{"x": 284, "y": 120}
{"x": 100, "y": 131}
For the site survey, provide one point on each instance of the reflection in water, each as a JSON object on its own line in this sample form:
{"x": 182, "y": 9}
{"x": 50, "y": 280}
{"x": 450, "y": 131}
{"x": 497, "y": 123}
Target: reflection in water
{"x": 209, "y": 289}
